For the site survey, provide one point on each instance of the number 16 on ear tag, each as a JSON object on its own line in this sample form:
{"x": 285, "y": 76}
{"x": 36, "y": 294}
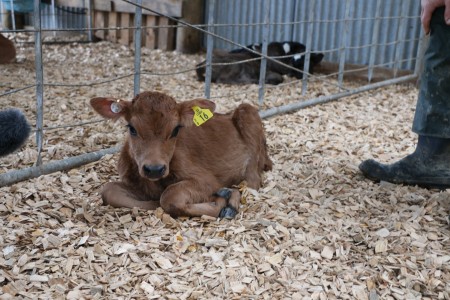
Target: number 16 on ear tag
{"x": 201, "y": 115}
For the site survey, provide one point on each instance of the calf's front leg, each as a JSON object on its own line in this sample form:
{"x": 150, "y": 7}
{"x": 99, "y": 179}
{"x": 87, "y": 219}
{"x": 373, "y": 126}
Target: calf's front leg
{"x": 118, "y": 194}
{"x": 183, "y": 199}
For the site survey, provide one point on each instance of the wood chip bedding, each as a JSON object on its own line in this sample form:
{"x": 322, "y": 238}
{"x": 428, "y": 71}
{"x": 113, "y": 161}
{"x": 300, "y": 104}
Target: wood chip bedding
{"x": 316, "y": 230}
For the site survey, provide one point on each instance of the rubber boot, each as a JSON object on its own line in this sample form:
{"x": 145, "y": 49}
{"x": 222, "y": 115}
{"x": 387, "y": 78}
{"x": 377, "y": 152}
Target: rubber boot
{"x": 428, "y": 166}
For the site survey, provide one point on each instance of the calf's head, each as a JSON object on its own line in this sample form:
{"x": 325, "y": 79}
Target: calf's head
{"x": 154, "y": 121}
{"x": 298, "y": 62}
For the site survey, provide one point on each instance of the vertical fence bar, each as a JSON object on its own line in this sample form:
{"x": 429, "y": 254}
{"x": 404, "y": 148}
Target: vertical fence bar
{"x": 296, "y": 7}
{"x": 246, "y": 30}
{"x": 320, "y": 8}
{"x": 400, "y": 39}
{"x": 137, "y": 47}
{"x": 232, "y": 31}
{"x": 209, "y": 49}
{"x": 90, "y": 21}
{"x": 414, "y": 38}
{"x": 39, "y": 80}
{"x": 1, "y": 14}
{"x": 344, "y": 43}
{"x": 13, "y": 17}
{"x": 265, "y": 42}
{"x": 52, "y": 9}
{"x": 309, "y": 31}
{"x": 374, "y": 45}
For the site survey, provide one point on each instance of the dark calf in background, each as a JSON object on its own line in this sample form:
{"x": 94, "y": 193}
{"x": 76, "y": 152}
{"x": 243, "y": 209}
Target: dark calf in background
{"x": 279, "y": 50}
{"x": 232, "y": 68}
{"x": 227, "y": 69}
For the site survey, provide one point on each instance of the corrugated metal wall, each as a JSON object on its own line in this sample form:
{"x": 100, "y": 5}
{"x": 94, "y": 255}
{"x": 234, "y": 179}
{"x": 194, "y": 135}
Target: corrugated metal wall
{"x": 57, "y": 17}
{"x": 62, "y": 17}
{"x": 336, "y": 24}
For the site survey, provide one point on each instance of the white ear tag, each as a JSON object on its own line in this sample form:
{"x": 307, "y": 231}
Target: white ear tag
{"x": 115, "y": 107}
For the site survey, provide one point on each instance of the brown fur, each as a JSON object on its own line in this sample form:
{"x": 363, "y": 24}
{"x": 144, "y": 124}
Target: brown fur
{"x": 198, "y": 162}
{"x": 7, "y": 50}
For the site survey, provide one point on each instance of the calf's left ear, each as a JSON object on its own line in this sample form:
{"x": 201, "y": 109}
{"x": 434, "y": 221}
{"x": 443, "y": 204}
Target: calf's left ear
{"x": 187, "y": 109}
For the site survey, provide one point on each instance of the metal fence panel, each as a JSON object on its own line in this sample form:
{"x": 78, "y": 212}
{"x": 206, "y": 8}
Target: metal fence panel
{"x": 368, "y": 32}
{"x": 238, "y": 20}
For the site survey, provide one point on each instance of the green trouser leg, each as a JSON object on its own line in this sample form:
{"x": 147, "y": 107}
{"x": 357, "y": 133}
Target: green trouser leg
{"x": 432, "y": 116}
{"x": 429, "y": 165}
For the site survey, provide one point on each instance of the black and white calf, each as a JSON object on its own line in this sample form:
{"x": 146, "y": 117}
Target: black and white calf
{"x": 288, "y": 52}
{"x": 237, "y": 66}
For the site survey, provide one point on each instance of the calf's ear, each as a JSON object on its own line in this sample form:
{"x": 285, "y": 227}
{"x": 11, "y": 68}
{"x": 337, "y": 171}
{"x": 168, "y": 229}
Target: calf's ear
{"x": 316, "y": 58}
{"x": 186, "y": 109}
{"x": 109, "y": 108}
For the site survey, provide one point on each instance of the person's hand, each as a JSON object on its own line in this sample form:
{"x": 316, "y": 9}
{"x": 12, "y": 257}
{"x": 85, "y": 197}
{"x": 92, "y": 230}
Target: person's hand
{"x": 428, "y": 7}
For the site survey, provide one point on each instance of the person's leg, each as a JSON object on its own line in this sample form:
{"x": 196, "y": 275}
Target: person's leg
{"x": 429, "y": 165}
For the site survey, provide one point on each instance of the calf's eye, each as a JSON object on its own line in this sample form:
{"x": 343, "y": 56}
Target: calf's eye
{"x": 132, "y": 130}
{"x": 175, "y": 131}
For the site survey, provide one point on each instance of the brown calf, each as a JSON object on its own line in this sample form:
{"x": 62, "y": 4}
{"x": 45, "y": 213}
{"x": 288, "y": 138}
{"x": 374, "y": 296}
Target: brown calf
{"x": 167, "y": 160}
{"x": 7, "y": 50}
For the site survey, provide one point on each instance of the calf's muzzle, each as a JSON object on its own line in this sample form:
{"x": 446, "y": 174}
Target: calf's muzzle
{"x": 154, "y": 171}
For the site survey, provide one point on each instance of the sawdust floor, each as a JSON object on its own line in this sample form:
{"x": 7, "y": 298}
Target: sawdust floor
{"x": 316, "y": 230}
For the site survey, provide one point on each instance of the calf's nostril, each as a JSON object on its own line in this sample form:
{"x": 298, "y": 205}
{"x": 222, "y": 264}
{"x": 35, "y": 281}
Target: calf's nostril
{"x": 154, "y": 171}
{"x": 162, "y": 170}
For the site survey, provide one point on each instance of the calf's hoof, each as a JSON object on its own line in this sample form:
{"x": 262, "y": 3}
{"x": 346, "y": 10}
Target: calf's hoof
{"x": 224, "y": 193}
{"x": 227, "y": 213}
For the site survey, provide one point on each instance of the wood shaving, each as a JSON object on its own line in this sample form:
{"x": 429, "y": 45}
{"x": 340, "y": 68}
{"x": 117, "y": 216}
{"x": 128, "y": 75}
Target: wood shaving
{"x": 316, "y": 230}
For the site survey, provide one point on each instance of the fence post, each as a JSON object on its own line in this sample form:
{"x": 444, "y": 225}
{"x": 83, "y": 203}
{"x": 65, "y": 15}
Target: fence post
{"x": 137, "y": 47}
{"x": 344, "y": 43}
{"x": 39, "y": 80}
{"x": 90, "y": 21}
{"x": 53, "y": 12}
{"x": 374, "y": 46}
{"x": 209, "y": 49}
{"x": 265, "y": 42}
{"x": 401, "y": 33}
{"x": 308, "y": 47}
{"x": 1, "y": 14}
{"x": 13, "y": 17}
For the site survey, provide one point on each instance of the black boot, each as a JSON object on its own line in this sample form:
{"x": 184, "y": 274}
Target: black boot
{"x": 428, "y": 166}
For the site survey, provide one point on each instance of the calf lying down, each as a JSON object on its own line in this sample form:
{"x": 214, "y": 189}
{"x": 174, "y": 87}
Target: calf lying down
{"x": 289, "y": 52}
{"x": 182, "y": 157}
{"x": 240, "y": 67}
{"x": 236, "y": 68}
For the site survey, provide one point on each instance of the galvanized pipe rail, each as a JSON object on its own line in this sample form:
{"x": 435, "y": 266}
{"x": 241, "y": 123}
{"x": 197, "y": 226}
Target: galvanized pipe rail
{"x": 39, "y": 169}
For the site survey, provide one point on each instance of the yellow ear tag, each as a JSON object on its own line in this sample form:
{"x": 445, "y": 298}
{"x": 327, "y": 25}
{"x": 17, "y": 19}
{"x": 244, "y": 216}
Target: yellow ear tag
{"x": 201, "y": 115}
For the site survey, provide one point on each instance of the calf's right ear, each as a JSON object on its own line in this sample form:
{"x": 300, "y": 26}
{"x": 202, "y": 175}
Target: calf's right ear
{"x": 109, "y": 108}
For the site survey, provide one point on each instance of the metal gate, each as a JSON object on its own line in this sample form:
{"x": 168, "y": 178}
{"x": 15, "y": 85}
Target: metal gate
{"x": 370, "y": 34}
